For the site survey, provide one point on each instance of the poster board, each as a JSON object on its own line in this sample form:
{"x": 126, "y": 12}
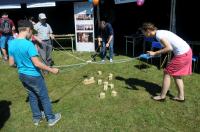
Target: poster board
{"x": 84, "y": 26}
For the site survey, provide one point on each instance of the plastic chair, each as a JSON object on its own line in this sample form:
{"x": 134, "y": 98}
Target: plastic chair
{"x": 154, "y": 46}
{"x": 195, "y": 62}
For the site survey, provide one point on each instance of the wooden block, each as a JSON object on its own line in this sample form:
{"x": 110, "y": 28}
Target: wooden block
{"x": 99, "y": 82}
{"x": 102, "y": 95}
{"x": 105, "y": 87}
{"x": 113, "y": 93}
{"x": 88, "y": 81}
{"x": 99, "y": 73}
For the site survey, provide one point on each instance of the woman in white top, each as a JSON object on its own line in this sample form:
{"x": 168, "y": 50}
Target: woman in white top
{"x": 181, "y": 63}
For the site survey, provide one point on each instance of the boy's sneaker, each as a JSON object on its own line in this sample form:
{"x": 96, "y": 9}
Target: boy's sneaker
{"x": 36, "y": 121}
{"x": 52, "y": 122}
{"x": 111, "y": 60}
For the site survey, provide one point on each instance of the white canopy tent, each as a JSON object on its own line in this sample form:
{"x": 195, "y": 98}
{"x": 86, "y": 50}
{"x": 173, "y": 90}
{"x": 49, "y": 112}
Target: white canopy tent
{"x": 10, "y": 4}
{"x": 16, "y": 4}
{"x": 41, "y": 4}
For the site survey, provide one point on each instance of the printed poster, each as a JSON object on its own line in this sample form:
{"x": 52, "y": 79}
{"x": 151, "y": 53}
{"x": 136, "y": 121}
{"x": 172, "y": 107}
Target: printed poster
{"x": 84, "y": 26}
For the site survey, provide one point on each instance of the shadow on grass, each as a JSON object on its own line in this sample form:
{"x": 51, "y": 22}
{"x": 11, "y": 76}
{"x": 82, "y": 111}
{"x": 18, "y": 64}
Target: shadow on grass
{"x": 152, "y": 88}
{"x": 4, "y": 112}
{"x": 142, "y": 66}
{"x": 145, "y": 65}
{"x": 132, "y": 84}
{"x": 70, "y": 90}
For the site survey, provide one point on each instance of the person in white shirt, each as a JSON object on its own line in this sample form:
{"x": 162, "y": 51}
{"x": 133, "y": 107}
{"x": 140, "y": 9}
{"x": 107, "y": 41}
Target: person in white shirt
{"x": 45, "y": 34}
{"x": 181, "y": 63}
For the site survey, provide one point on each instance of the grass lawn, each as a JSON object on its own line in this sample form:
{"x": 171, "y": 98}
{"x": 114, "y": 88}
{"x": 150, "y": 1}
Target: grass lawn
{"x": 132, "y": 110}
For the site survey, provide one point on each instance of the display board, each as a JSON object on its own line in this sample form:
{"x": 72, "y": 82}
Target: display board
{"x": 84, "y": 26}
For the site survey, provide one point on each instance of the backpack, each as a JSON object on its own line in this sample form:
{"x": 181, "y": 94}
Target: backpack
{"x": 5, "y": 26}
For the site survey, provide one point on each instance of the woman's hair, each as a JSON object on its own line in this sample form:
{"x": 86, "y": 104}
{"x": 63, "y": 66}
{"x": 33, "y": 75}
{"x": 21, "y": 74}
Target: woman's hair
{"x": 148, "y": 26}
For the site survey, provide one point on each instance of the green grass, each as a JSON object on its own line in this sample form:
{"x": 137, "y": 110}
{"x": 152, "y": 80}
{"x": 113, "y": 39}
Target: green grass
{"x": 82, "y": 110}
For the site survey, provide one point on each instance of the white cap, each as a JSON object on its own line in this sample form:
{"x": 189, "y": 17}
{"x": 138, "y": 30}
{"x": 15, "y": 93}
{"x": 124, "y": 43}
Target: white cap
{"x": 42, "y": 16}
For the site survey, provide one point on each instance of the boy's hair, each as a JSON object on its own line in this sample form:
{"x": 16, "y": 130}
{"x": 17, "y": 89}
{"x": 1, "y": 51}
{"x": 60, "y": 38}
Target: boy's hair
{"x": 23, "y": 24}
{"x": 148, "y": 26}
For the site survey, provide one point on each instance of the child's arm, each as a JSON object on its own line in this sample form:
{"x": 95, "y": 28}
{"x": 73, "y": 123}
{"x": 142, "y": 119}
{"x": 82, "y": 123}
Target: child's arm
{"x": 40, "y": 65}
{"x": 11, "y": 61}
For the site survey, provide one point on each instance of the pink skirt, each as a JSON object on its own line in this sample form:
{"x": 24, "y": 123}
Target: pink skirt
{"x": 180, "y": 65}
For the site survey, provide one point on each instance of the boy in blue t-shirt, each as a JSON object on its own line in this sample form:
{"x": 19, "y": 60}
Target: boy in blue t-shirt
{"x": 24, "y": 55}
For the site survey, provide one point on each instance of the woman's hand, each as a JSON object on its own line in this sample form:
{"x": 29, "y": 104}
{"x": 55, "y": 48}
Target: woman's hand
{"x": 151, "y": 53}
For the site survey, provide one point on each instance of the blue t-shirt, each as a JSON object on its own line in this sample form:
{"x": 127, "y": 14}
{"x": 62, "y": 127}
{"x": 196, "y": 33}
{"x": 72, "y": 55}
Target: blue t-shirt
{"x": 22, "y": 50}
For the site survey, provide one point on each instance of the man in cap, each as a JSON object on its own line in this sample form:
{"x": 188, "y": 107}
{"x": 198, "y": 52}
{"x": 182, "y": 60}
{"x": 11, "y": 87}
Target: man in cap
{"x": 45, "y": 33}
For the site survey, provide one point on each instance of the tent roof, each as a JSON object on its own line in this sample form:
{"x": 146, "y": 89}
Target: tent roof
{"x": 8, "y": 2}
{"x": 13, "y": 4}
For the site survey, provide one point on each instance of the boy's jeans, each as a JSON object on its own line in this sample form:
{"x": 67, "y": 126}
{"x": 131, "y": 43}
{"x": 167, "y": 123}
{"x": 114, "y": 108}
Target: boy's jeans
{"x": 37, "y": 91}
{"x": 103, "y": 50}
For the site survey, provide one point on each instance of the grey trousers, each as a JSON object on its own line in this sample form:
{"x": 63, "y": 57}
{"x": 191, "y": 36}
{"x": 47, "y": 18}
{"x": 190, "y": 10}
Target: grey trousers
{"x": 45, "y": 52}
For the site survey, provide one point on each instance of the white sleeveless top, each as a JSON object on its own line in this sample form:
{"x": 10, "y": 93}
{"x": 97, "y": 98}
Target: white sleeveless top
{"x": 178, "y": 45}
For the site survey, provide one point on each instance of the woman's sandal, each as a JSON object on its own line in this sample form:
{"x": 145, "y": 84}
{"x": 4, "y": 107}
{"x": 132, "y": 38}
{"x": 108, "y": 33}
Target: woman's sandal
{"x": 161, "y": 99}
{"x": 177, "y": 99}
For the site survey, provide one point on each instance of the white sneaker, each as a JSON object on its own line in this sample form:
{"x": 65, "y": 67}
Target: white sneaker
{"x": 111, "y": 60}
{"x": 52, "y": 122}
{"x": 36, "y": 121}
{"x": 102, "y": 61}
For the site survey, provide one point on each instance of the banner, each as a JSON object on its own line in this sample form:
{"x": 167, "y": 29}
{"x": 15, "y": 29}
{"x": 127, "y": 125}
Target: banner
{"x": 84, "y": 26}
{"x": 41, "y": 4}
{"x": 124, "y": 1}
{"x": 10, "y": 4}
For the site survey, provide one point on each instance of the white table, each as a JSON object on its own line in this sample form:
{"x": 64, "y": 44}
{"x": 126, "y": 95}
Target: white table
{"x": 65, "y": 37}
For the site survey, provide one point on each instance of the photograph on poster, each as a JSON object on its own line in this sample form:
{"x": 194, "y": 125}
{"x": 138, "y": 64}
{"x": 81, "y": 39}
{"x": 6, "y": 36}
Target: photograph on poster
{"x": 84, "y": 17}
{"x": 86, "y": 27}
{"x": 85, "y": 37}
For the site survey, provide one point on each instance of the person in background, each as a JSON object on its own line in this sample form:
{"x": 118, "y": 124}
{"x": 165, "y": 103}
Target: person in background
{"x": 6, "y": 28}
{"x": 181, "y": 63}
{"x": 44, "y": 33}
{"x": 32, "y": 20}
{"x": 107, "y": 37}
{"x": 24, "y": 55}
{"x": 35, "y": 39}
